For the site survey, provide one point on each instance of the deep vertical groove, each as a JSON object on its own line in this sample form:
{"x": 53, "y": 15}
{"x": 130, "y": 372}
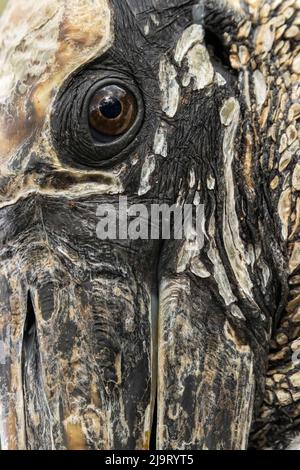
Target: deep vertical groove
{"x": 155, "y": 320}
{"x": 154, "y": 426}
{"x": 29, "y": 321}
{"x": 29, "y": 337}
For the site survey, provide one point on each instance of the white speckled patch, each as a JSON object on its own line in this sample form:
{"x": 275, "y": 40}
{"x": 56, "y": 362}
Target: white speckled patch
{"x": 147, "y": 170}
{"x": 160, "y": 145}
{"x": 194, "y": 34}
{"x": 169, "y": 87}
{"x": 200, "y": 68}
{"x": 236, "y": 251}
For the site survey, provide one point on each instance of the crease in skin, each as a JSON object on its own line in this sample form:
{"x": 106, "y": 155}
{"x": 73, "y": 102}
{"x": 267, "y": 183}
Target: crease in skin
{"x": 12, "y": 317}
{"x": 154, "y": 361}
{"x": 188, "y": 255}
{"x": 67, "y": 32}
{"x": 237, "y": 254}
{"x": 72, "y": 419}
{"x": 180, "y": 325}
{"x": 42, "y": 44}
{"x": 168, "y": 297}
{"x": 57, "y": 38}
{"x": 180, "y": 336}
{"x": 219, "y": 271}
{"x": 78, "y": 190}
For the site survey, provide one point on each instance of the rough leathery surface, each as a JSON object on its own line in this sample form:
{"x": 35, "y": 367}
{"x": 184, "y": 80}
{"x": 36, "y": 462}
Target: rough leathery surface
{"x": 83, "y": 358}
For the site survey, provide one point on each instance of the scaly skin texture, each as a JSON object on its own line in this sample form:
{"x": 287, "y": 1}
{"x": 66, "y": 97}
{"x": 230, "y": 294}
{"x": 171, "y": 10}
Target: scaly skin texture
{"x": 270, "y": 54}
{"x": 84, "y": 350}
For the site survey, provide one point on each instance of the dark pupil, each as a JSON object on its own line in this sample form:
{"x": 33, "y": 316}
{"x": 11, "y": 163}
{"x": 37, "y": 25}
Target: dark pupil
{"x": 110, "y": 107}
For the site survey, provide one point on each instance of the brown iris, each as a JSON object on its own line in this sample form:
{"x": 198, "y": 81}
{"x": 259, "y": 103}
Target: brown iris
{"x": 112, "y": 110}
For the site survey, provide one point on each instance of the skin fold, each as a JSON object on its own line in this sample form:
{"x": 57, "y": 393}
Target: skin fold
{"x": 97, "y": 334}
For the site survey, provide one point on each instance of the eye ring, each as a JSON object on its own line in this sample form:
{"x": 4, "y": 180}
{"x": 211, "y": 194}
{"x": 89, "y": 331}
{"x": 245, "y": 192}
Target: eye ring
{"x": 109, "y": 146}
{"x": 75, "y": 140}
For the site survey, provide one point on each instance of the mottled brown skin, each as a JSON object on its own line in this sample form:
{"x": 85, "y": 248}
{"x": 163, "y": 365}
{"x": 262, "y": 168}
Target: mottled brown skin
{"x": 84, "y": 350}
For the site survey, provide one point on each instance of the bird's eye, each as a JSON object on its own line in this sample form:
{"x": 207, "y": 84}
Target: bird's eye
{"x": 96, "y": 121}
{"x": 112, "y": 111}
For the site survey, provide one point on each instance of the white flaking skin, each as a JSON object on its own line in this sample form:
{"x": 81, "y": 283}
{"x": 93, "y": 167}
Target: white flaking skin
{"x": 219, "y": 271}
{"x": 200, "y": 68}
{"x": 160, "y": 145}
{"x": 234, "y": 246}
{"x": 41, "y": 45}
{"x": 169, "y": 87}
{"x": 147, "y": 170}
{"x": 190, "y": 47}
{"x": 260, "y": 88}
{"x": 191, "y": 36}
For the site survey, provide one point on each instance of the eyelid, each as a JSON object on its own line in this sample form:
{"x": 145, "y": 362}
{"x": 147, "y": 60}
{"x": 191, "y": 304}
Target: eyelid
{"x": 75, "y": 141}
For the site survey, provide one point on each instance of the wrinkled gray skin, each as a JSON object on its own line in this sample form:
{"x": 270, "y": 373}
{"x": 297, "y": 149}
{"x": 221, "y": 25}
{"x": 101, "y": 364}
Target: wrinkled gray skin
{"x": 94, "y": 333}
